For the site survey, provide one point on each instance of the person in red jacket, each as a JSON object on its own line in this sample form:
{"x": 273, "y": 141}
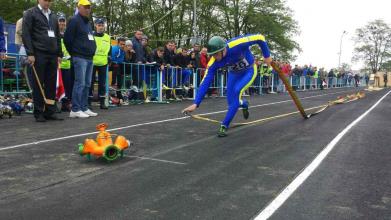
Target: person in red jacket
{"x": 204, "y": 59}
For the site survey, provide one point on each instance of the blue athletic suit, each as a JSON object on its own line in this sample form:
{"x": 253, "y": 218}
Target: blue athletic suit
{"x": 241, "y": 74}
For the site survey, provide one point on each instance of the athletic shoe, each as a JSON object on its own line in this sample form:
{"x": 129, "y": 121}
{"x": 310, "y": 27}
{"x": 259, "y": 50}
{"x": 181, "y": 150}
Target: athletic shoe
{"x": 78, "y": 114}
{"x": 222, "y": 131}
{"x": 246, "y": 113}
{"x": 90, "y": 113}
{"x": 165, "y": 87}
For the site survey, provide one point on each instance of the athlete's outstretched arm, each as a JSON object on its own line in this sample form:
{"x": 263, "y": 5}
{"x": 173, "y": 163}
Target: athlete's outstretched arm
{"x": 204, "y": 86}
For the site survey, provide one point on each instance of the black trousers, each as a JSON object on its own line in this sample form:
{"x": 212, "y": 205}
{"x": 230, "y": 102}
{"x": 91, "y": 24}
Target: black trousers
{"x": 46, "y": 67}
{"x": 134, "y": 72}
{"x": 101, "y": 81}
{"x": 68, "y": 79}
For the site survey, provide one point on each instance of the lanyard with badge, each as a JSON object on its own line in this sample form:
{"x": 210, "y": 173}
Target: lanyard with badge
{"x": 90, "y": 36}
{"x": 50, "y": 31}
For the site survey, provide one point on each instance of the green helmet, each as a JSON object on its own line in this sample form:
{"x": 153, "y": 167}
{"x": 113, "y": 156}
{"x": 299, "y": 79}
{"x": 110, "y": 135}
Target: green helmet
{"x": 216, "y": 44}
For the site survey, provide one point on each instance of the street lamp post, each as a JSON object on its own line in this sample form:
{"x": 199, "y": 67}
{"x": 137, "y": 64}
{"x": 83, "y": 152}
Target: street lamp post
{"x": 340, "y": 49}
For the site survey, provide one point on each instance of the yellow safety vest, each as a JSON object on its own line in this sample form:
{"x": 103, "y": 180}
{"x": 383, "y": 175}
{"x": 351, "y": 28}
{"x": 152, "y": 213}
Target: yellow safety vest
{"x": 268, "y": 71}
{"x": 316, "y": 74}
{"x": 65, "y": 64}
{"x": 102, "y": 50}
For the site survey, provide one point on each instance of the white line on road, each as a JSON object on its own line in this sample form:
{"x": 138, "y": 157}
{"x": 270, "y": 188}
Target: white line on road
{"x": 36, "y": 143}
{"x": 154, "y": 159}
{"x": 290, "y": 189}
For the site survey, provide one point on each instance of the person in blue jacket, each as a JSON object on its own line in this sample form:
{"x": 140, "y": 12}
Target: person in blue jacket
{"x": 236, "y": 55}
{"x": 118, "y": 66}
{"x": 80, "y": 43}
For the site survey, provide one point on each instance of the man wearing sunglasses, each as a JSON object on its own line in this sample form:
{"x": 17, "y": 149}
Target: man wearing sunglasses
{"x": 80, "y": 43}
{"x": 41, "y": 39}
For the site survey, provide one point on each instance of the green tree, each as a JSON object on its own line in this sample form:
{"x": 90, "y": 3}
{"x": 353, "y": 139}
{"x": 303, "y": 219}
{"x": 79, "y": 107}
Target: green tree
{"x": 345, "y": 67}
{"x": 373, "y": 44}
{"x": 12, "y": 10}
{"x": 163, "y": 20}
{"x": 386, "y": 66}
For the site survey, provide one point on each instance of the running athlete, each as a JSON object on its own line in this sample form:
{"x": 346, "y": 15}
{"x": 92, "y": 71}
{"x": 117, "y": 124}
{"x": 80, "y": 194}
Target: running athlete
{"x": 236, "y": 55}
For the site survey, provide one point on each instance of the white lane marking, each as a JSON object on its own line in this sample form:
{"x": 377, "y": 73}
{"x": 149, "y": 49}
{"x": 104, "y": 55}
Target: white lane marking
{"x": 290, "y": 189}
{"x": 35, "y": 143}
{"x": 90, "y": 133}
{"x": 154, "y": 159}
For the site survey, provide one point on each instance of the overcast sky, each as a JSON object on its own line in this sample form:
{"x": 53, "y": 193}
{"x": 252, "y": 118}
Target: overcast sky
{"x": 322, "y": 23}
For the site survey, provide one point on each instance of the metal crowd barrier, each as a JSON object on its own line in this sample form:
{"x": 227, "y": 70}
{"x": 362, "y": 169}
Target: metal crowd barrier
{"x": 14, "y": 78}
{"x": 142, "y": 79}
{"x": 158, "y": 84}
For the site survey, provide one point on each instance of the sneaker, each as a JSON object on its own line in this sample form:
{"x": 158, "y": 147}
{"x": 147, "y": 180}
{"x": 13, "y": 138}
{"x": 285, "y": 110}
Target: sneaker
{"x": 222, "y": 131}
{"x": 90, "y": 113}
{"x": 246, "y": 114}
{"x": 165, "y": 87}
{"x": 78, "y": 114}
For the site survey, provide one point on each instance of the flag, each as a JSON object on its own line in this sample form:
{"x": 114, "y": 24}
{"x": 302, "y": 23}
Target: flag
{"x": 60, "y": 91}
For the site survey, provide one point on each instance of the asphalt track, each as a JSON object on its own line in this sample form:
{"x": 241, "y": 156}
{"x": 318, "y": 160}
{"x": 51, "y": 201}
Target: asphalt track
{"x": 179, "y": 169}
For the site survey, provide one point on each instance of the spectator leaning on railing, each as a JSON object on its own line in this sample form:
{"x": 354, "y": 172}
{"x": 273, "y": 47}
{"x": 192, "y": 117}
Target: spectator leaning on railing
{"x": 117, "y": 59}
{"x": 130, "y": 59}
{"x": 182, "y": 62}
{"x": 158, "y": 58}
{"x": 100, "y": 60}
{"x": 41, "y": 39}
{"x": 130, "y": 54}
{"x": 80, "y": 43}
{"x": 197, "y": 51}
{"x": 147, "y": 51}
{"x": 137, "y": 46}
{"x": 204, "y": 59}
{"x": 169, "y": 52}
{"x": 2, "y": 40}
{"x": 117, "y": 64}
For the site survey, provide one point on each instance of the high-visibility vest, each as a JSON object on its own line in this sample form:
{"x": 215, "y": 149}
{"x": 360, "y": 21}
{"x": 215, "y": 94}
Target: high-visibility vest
{"x": 268, "y": 71}
{"x": 316, "y": 74}
{"x": 261, "y": 70}
{"x": 65, "y": 63}
{"x": 102, "y": 50}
